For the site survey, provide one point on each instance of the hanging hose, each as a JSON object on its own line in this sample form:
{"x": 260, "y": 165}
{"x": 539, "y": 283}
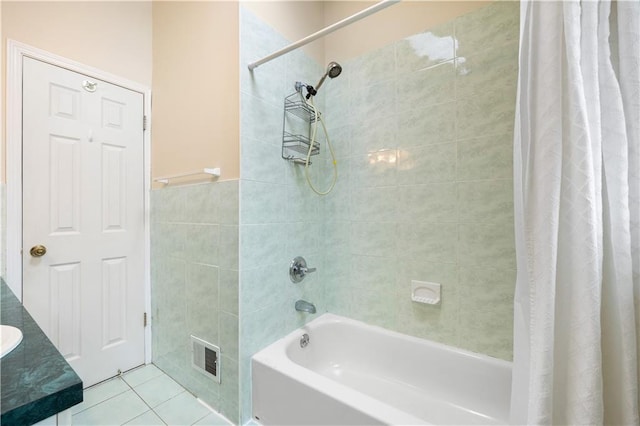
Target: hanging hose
{"x": 318, "y": 117}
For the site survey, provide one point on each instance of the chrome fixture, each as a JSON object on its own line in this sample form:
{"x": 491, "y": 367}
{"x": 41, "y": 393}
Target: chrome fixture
{"x": 299, "y": 118}
{"x": 304, "y": 340}
{"x": 333, "y": 70}
{"x": 296, "y": 147}
{"x": 298, "y": 269}
{"x": 304, "y": 306}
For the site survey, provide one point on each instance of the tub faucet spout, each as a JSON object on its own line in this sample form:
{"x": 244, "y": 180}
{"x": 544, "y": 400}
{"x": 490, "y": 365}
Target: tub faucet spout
{"x": 304, "y": 306}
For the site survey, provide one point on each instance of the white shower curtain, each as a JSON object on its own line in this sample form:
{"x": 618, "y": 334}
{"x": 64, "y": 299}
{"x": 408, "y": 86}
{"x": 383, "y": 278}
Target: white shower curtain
{"x": 577, "y": 209}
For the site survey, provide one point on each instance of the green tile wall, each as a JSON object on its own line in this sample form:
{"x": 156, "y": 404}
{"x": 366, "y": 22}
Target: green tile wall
{"x": 426, "y": 182}
{"x": 280, "y": 217}
{"x": 422, "y": 130}
{"x": 194, "y": 285}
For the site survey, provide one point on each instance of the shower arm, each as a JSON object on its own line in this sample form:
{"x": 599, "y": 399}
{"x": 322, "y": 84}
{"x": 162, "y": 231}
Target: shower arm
{"x": 312, "y": 91}
{"x": 331, "y": 28}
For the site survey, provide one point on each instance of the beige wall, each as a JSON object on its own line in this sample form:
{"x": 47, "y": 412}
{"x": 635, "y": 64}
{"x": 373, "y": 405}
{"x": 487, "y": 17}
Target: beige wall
{"x": 294, "y": 20}
{"x": 195, "y": 88}
{"x": 112, "y": 36}
{"x": 2, "y": 139}
{"x": 298, "y": 19}
{"x": 191, "y": 49}
{"x": 386, "y": 26}
{"x": 181, "y": 46}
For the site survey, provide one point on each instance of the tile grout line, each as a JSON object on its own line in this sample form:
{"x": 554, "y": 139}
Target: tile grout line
{"x": 203, "y": 417}
{"x": 104, "y": 400}
{"x": 158, "y": 414}
{"x": 144, "y": 401}
{"x": 136, "y": 394}
{"x": 184, "y": 390}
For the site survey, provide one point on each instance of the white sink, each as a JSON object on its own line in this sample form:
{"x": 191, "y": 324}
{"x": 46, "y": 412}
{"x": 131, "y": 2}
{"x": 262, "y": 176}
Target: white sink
{"x": 10, "y": 337}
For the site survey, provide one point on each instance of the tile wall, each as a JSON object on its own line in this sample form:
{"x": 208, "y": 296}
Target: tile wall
{"x": 280, "y": 218}
{"x": 424, "y": 129}
{"x": 194, "y": 285}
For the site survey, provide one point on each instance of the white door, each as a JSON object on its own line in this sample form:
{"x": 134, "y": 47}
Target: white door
{"x": 83, "y": 200}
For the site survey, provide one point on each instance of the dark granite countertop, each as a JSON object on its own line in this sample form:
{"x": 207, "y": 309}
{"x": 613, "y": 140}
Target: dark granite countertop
{"x": 37, "y": 382}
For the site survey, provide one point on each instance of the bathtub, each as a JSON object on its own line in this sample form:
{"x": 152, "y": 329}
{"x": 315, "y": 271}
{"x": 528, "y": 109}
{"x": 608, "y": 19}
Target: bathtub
{"x": 352, "y": 373}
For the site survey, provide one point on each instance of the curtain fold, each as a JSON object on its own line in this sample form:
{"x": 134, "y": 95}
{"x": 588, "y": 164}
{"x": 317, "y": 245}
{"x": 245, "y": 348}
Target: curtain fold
{"x": 576, "y": 184}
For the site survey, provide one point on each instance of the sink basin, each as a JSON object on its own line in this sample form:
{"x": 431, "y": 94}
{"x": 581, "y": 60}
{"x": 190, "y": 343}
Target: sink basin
{"x": 10, "y": 337}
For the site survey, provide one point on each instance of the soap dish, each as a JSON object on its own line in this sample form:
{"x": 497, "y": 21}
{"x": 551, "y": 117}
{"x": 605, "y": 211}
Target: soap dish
{"x": 425, "y": 292}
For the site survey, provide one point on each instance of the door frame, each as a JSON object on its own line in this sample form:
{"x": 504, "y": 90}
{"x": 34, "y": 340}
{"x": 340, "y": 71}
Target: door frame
{"x": 16, "y": 51}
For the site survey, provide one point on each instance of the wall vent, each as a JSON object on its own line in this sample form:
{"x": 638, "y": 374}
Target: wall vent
{"x": 205, "y": 358}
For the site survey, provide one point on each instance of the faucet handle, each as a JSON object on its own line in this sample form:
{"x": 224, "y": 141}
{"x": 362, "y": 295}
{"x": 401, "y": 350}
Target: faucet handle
{"x": 298, "y": 269}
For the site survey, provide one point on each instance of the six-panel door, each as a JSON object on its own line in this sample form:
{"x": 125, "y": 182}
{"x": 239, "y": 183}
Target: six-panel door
{"x": 83, "y": 200}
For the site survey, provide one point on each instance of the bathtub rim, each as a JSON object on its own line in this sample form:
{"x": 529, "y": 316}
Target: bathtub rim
{"x": 275, "y": 356}
{"x": 329, "y": 318}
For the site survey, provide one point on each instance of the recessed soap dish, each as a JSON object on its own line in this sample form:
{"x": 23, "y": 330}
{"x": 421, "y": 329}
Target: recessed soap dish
{"x": 425, "y": 292}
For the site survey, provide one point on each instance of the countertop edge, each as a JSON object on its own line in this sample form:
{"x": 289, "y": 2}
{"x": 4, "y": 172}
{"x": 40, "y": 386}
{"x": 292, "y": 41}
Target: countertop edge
{"x": 37, "y": 381}
{"x": 44, "y": 407}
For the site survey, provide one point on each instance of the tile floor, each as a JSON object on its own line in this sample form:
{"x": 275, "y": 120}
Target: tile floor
{"x": 143, "y": 396}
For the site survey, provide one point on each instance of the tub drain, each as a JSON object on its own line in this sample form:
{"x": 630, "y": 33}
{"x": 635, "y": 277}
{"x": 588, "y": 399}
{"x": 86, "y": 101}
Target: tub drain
{"x": 304, "y": 340}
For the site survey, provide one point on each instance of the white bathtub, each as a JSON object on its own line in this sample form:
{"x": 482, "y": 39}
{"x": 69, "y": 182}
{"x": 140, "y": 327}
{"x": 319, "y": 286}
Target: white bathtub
{"x": 352, "y": 373}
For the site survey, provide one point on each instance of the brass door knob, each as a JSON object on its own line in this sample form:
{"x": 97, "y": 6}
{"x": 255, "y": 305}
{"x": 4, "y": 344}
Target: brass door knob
{"x": 38, "y": 251}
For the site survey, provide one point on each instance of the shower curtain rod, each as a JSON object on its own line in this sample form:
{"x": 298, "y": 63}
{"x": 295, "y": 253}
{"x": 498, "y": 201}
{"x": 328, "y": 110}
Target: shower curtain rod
{"x": 331, "y": 28}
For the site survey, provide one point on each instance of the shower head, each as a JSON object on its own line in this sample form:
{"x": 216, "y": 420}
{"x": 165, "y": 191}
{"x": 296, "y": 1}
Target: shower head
{"x": 333, "y": 70}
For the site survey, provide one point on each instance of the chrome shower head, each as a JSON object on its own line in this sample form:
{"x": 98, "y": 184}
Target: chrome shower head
{"x": 333, "y": 70}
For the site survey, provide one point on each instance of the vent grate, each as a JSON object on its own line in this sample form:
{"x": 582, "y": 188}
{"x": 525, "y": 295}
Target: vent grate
{"x": 205, "y": 357}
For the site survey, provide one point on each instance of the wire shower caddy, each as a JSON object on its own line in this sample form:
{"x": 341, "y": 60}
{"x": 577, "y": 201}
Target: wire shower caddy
{"x": 296, "y": 129}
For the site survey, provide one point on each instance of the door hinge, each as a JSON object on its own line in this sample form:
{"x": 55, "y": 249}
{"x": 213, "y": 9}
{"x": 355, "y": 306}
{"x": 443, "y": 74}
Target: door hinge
{"x": 144, "y": 122}
{"x": 144, "y": 319}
